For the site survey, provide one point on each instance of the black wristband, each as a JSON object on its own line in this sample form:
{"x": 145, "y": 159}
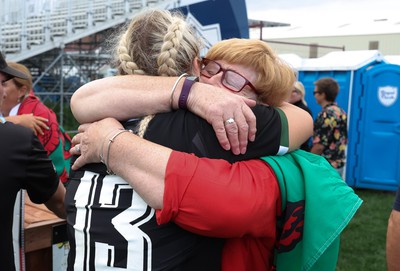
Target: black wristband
{"x": 187, "y": 85}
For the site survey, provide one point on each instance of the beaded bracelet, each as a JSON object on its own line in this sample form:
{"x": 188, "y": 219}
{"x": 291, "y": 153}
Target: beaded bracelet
{"x": 174, "y": 87}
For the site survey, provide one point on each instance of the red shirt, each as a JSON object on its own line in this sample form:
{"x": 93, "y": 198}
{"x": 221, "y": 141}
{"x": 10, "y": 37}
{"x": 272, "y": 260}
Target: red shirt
{"x": 243, "y": 208}
{"x": 54, "y": 141}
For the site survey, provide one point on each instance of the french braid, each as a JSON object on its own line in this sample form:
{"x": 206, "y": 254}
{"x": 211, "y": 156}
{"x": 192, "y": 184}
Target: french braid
{"x": 166, "y": 60}
{"x": 127, "y": 65}
{"x": 169, "y": 49}
{"x": 156, "y": 42}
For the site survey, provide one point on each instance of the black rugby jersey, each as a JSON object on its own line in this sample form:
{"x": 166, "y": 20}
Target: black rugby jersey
{"x": 110, "y": 226}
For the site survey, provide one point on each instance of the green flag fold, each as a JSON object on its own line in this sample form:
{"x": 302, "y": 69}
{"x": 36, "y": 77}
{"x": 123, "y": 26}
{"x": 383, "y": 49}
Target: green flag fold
{"x": 316, "y": 206}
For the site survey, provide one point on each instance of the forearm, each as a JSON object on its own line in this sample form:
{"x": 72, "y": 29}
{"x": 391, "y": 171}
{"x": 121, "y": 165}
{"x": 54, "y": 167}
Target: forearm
{"x": 142, "y": 164}
{"x": 56, "y": 202}
{"x": 123, "y": 97}
{"x": 393, "y": 242}
{"x": 300, "y": 125}
{"x": 214, "y": 198}
{"x": 130, "y": 96}
{"x": 317, "y": 148}
{"x": 36, "y": 123}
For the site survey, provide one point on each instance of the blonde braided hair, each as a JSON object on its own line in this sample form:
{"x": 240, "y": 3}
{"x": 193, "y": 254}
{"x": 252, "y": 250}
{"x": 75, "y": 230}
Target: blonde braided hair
{"x": 169, "y": 49}
{"x": 156, "y": 42}
{"x": 127, "y": 65}
{"x": 166, "y": 60}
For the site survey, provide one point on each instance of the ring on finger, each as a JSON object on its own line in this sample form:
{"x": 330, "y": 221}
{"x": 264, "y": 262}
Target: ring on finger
{"x": 77, "y": 149}
{"x": 229, "y": 121}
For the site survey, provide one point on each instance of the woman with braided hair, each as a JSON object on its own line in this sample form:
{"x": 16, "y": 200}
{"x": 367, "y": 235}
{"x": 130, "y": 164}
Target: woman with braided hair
{"x": 118, "y": 229}
{"x": 98, "y": 210}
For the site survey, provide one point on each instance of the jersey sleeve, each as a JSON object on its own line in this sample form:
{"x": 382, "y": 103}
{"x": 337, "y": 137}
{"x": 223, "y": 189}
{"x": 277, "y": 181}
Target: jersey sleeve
{"x": 183, "y": 131}
{"x": 284, "y": 139}
{"x": 207, "y": 196}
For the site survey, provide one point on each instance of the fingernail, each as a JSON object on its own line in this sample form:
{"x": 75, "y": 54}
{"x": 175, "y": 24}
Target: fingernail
{"x": 47, "y": 127}
{"x": 252, "y": 138}
{"x": 243, "y": 151}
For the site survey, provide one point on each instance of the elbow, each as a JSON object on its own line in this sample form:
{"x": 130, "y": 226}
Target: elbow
{"x": 57, "y": 208}
{"x": 60, "y": 211}
{"x": 309, "y": 125}
{"x": 75, "y": 105}
{"x": 56, "y": 202}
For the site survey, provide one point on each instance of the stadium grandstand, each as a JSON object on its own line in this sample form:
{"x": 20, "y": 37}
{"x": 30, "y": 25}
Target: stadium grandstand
{"x": 62, "y": 42}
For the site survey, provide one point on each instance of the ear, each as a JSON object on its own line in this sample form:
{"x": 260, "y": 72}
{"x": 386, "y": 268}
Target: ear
{"x": 196, "y": 66}
{"x": 22, "y": 92}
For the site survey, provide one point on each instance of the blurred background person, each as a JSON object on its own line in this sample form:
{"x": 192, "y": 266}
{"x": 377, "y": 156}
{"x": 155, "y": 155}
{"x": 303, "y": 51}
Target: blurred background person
{"x": 330, "y": 126}
{"x": 393, "y": 236}
{"x": 19, "y": 99}
{"x": 297, "y": 98}
{"x": 24, "y": 165}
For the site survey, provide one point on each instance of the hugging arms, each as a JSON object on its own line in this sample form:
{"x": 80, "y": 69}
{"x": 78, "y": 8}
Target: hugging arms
{"x": 126, "y": 101}
{"x": 130, "y": 96}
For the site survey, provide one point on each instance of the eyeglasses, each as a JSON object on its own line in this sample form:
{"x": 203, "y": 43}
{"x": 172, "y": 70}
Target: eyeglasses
{"x": 230, "y": 79}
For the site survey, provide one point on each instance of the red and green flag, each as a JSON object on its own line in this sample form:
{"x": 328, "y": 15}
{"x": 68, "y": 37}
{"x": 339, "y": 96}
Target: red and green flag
{"x": 316, "y": 206}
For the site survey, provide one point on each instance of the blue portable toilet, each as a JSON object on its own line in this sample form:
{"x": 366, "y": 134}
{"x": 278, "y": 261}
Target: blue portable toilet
{"x": 369, "y": 89}
{"x": 392, "y": 59}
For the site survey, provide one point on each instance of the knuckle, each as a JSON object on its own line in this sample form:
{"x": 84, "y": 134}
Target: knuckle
{"x": 219, "y": 129}
{"x": 243, "y": 127}
{"x": 232, "y": 129}
{"x": 234, "y": 143}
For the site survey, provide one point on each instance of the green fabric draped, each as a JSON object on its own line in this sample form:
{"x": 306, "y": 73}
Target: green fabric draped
{"x": 316, "y": 206}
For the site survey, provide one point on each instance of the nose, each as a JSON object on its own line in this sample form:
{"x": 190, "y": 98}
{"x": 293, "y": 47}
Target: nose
{"x": 216, "y": 80}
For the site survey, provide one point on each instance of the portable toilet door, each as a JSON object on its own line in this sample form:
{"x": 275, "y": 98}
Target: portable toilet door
{"x": 377, "y": 152}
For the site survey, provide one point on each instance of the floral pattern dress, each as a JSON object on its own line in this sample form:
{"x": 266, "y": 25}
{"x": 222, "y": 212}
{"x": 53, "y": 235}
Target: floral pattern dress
{"x": 330, "y": 130}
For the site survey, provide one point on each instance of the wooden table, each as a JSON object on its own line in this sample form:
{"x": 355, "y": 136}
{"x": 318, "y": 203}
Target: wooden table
{"x": 42, "y": 229}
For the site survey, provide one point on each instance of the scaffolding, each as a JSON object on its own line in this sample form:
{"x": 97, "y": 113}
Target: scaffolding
{"x": 64, "y": 42}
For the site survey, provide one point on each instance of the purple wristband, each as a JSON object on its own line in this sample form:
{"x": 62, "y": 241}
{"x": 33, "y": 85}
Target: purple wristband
{"x": 187, "y": 85}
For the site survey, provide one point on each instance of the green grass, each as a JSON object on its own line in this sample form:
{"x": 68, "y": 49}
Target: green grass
{"x": 362, "y": 245}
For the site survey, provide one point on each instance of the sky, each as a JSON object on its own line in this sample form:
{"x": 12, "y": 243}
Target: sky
{"x": 322, "y": 12}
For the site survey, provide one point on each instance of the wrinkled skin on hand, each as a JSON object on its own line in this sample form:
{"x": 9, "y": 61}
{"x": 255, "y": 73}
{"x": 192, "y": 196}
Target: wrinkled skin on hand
{"x": 218, "y": 106}
{"x": 92, "y": 139}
